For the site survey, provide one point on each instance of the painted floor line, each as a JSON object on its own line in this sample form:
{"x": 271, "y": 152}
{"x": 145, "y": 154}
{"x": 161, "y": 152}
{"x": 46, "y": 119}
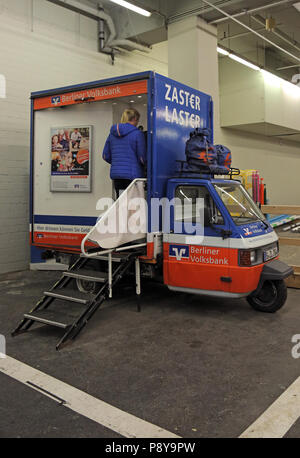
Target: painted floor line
{"x": 117, "y": 420}
{"x": 278, "y": 419}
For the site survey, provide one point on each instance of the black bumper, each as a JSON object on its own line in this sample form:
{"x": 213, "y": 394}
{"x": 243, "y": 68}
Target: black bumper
{"x": 273, "y": 270}
{"x": 276, "y": 270}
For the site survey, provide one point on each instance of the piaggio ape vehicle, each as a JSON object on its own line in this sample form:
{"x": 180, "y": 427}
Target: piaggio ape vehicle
{"x": 235, "y": 255}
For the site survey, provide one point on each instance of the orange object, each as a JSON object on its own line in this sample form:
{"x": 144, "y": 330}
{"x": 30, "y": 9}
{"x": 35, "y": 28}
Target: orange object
{"x": 198, "y": 274}
{"x": 82, "y": 156}
{"x": 91, "y": 95}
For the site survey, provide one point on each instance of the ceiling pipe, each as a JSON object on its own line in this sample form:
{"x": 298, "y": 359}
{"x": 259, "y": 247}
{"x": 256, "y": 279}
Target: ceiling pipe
{"x": 243, "y": 34}
{"x": 254, "y": 10}
{"x": 287, "y": 67}
{"x": 97, "y": 15}
{"x": 129, "y": 44}
{"x": 240, "y": 35}
{"x": 278, "y": 33}
{"x": 101, "y": 35}
{"x": 197, "y": 11}
{"x": 101, "y": 40}
{"x": 262, "y": 37}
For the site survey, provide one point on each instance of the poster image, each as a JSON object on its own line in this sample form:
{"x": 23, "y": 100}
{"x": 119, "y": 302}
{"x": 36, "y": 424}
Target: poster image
{"x": 71, "y": 159}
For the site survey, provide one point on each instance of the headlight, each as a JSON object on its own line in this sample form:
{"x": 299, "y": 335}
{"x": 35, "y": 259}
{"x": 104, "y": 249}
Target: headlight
{"x": 247, "y": 257}
{"x": 259, "y": 255}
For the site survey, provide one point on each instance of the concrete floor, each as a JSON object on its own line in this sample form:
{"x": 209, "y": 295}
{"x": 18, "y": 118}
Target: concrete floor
{"x": 199, "y": 367}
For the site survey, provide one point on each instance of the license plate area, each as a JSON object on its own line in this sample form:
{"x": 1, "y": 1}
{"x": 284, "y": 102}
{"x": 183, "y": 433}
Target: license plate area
{"x": 270, "y": 253}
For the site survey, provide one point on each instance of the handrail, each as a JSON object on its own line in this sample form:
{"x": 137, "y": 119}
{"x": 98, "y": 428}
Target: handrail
{"x": 91, "y": 255}
{"x": 113, "y": 250}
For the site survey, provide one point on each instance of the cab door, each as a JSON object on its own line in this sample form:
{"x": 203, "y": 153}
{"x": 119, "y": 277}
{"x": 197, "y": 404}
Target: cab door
{"x": 196, "y": 251}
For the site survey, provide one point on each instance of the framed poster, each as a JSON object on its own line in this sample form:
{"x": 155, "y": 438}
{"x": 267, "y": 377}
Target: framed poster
{"x": 71, "y": 159}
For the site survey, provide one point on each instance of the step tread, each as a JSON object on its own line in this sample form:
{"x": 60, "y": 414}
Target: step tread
{"x": 87, "y": 274}
{"x": 52, "y": 318}
{"x": 71, "y": 295}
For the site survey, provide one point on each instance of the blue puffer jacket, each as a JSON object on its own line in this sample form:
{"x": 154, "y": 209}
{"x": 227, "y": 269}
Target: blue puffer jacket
{"x": 125, "y": 150}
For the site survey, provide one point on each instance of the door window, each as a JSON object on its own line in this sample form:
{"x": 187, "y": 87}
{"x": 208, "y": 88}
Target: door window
{"x": 189, "y": 200}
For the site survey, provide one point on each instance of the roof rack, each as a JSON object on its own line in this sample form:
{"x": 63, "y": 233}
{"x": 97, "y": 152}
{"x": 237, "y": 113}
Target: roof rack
{"x": 207, "y": 171}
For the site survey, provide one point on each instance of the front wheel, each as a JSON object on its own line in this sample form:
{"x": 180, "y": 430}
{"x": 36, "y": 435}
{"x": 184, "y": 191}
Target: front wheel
{"x": 270, "y": 298}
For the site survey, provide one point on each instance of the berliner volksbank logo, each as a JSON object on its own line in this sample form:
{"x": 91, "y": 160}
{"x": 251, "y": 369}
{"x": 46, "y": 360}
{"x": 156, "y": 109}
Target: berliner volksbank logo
{"x": 179, "y": 252}
{"x": 55, "y": 100}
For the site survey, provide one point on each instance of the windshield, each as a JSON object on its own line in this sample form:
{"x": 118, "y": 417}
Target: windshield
{"x": 239, "y": 203}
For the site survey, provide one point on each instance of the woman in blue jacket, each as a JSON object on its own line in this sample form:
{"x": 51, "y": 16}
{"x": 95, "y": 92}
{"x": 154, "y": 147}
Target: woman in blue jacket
{"x": 125, "y": 150}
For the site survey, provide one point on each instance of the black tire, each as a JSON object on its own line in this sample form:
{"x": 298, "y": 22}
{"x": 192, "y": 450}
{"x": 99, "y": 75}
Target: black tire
{"x": 271, "y": 297}
{"x": 86, "y": 286}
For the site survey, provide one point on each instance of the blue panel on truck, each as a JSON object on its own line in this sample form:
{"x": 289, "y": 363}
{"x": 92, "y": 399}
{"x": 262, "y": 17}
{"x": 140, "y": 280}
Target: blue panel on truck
{"x": 177, "y": 110}
{"x": 36, "y": 255}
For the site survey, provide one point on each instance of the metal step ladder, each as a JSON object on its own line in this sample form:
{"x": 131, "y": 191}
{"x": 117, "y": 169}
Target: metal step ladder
{"x": 71, "y": 309}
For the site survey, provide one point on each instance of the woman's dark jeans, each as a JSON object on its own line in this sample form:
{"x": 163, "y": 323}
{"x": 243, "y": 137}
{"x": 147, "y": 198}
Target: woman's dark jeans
{"x": 120, "y": 185}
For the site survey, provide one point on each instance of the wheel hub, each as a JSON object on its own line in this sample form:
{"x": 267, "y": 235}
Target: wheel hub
{"x": 267, "y": 294}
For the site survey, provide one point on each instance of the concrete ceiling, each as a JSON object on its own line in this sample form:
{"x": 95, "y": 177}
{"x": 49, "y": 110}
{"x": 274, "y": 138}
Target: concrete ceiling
{"x": 231, "y": 35}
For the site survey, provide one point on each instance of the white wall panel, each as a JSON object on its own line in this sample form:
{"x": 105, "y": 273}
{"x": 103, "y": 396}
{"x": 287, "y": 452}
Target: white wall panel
{"x": 99, "y": 116}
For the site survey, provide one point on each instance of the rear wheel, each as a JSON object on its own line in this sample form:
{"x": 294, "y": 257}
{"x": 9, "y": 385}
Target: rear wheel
{"x": 270, "y": 298}
{"x": 86, "y": 286}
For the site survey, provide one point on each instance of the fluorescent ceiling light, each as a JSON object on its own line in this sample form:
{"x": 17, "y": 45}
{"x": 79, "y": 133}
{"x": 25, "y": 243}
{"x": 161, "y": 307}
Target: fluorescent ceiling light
{"x": 297, "y": 6}
{"x": 237, "y": 59}
{"x": 222, "y": 51}
{"x": 243, "y": 61}
{"x": 132, "y": 7}
{"x": 274, "y": 80}
{"x": 289, "y": 88}
{"x": 271, "y": 78}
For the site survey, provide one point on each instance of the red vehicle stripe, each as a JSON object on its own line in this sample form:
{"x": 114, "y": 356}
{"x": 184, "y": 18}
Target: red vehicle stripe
{"x": 91, "y": 95}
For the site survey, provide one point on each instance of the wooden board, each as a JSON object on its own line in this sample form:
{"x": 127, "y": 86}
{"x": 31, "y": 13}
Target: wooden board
{"x": 281, "y": 209}
{"x": 289, "y": 241}
{"x": 293, "y": 281}
{"x": 296, "y": 269}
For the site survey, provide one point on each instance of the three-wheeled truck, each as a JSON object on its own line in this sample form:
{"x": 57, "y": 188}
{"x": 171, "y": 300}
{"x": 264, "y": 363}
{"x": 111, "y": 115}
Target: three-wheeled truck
{"x": 234, "y": 253}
